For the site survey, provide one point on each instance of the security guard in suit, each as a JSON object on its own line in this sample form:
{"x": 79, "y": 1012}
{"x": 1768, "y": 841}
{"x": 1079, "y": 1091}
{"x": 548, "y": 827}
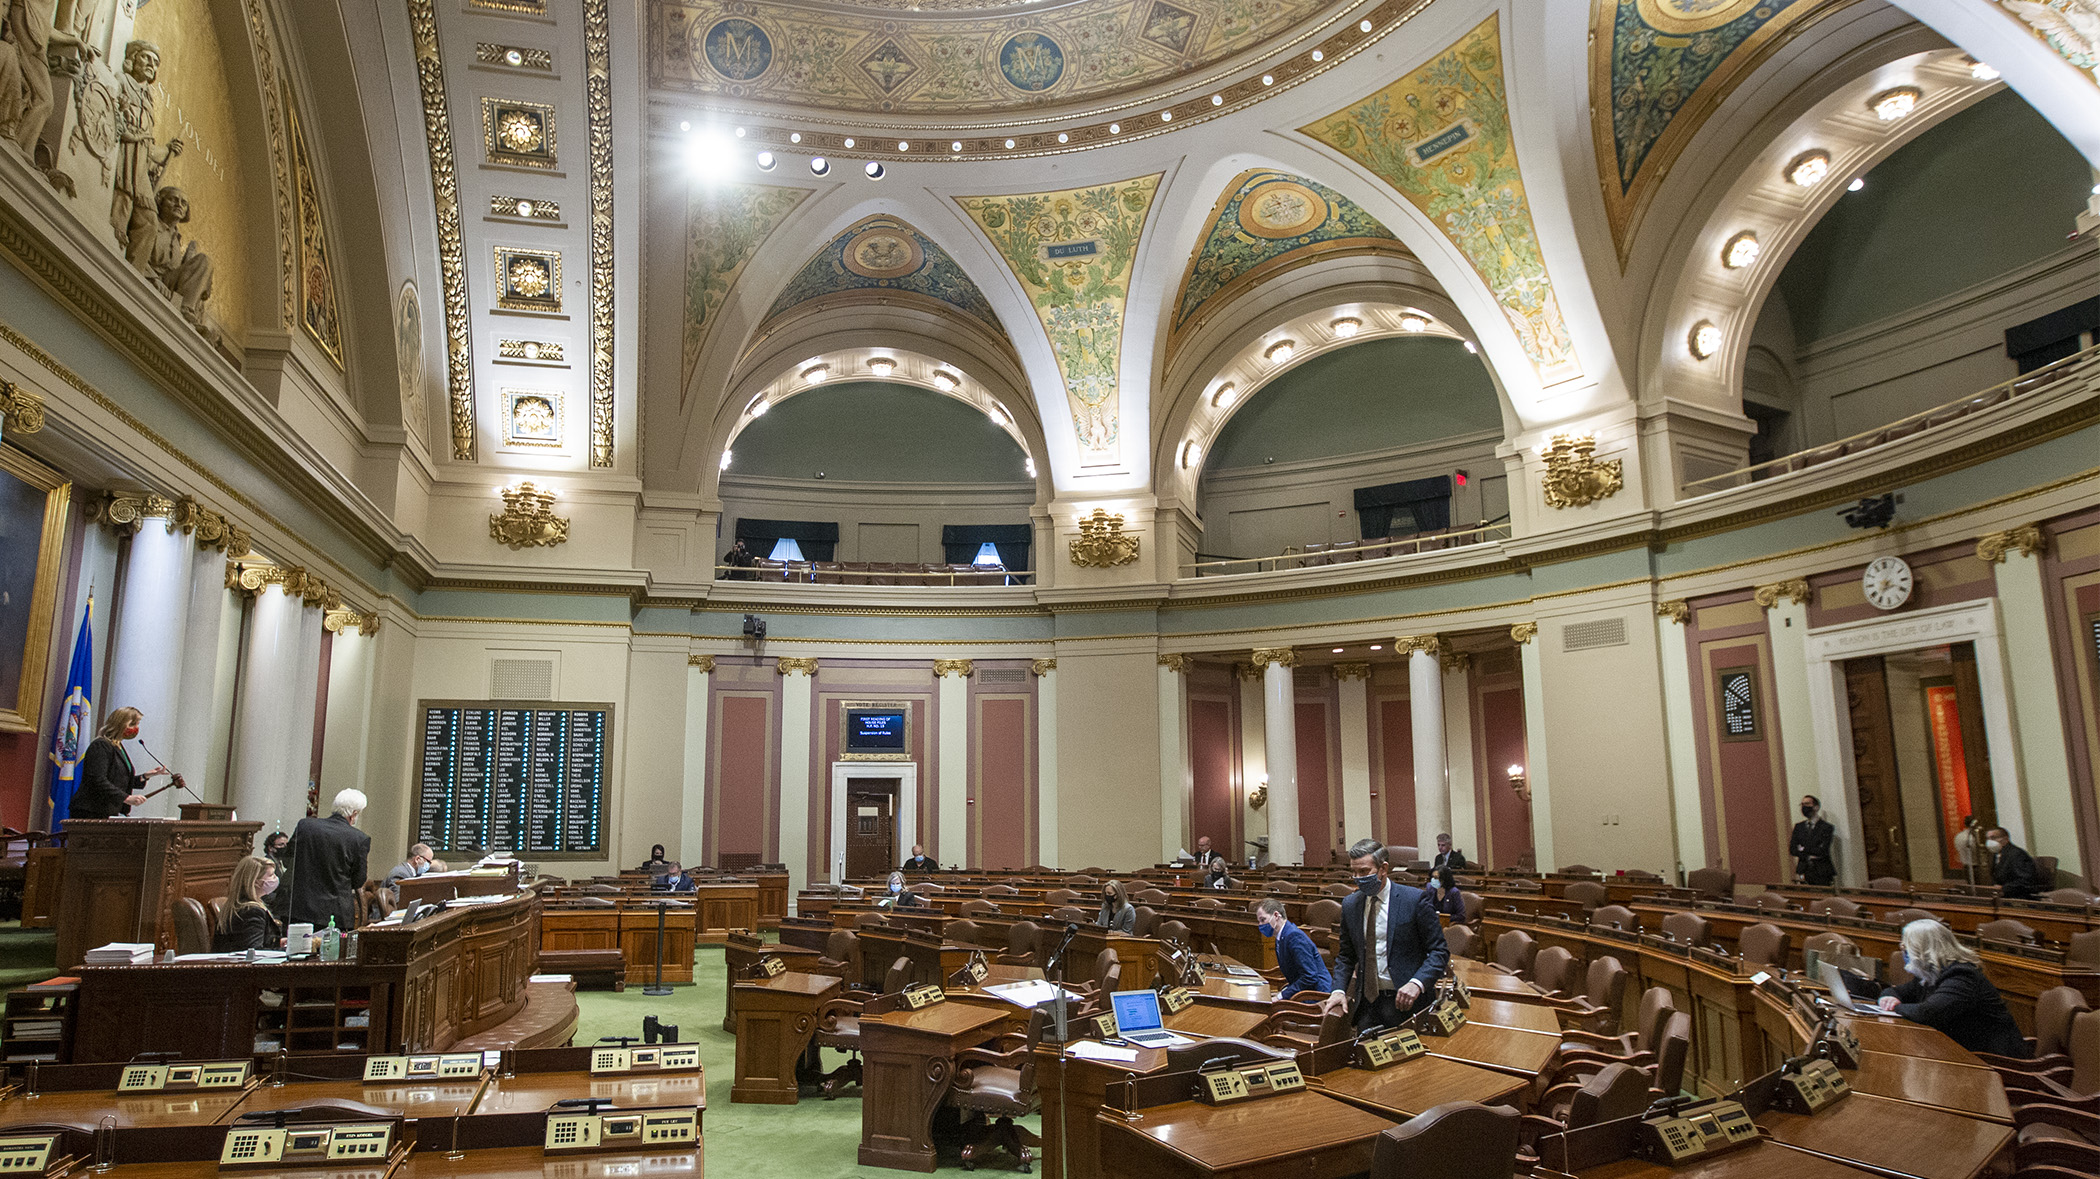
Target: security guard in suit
{"x": 1392, "y": 950}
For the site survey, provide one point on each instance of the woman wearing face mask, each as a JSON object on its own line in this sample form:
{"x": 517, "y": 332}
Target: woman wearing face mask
{"x": 1216, "y": 877}
{"x": 1810, "y": 845}
{"x": 247, "y": 923}
{"x": 1447, "y": 899}
{"x": 1948, "y": 991}
{"x": 1117, "y": 913}
{"x": 1296, "y": 956}
{"x": 898, "y": 896}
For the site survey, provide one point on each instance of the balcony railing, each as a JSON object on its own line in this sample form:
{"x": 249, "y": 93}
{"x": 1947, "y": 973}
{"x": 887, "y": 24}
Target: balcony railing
{"x": 1898, "y": 430}
{"x": 889, "y": 573}
{"x": 1350, "y": 552}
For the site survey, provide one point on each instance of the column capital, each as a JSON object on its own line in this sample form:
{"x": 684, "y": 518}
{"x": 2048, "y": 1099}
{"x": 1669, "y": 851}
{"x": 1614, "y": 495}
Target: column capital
{"x": 125, "y": 512}
{"x": 2027, "y": 540}
{"x": 1455, "y": 660}
{"x": 1175, "y": 661}
{"x": 340, "y": 619}
{"x": 21, "y": 411}
{"x": 790, "y": 666}
{"x": 253, "y": 577}
{"x": 1041, "y": 666}
{"x": 1523, "y": 632}
{"x": 964, "y": 668}
{"x": 1267, "y": 657}
{"x": 1246, "y": 671}
{"x": 1426, "y": 644}
{"x": 1677, "y": 610}
{"x": 212, "y": 530}
{"x": 706, "y": 663}
{"x": 1795, "y": 591}
{"x": 1352, "y": 671}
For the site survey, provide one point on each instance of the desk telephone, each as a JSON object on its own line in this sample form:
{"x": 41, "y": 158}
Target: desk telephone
{"x": 769, "y": 966}
{"x": 171, "y": 1078}
{"x": 447, "y": 1066}
{"x": 973, "y": 972}
{"x": 28, "y": 1154}
{"x": 920, "y": 995}
{"x": 308, "y": 1145}
{"x": 627, "y": 1129}
{"x": 657, "y": 1058}
{"x": 1226, "y": 1085}
{"x": 1176, "y": 999}
{"x": 1809, "y": 1085}
{"x": 1388, "y": 1049}
{"x": 1444, "y": 1016}
{"x": 1676, "y": 1136}
{"x": 1839, "y": 1043}
{"x": 1104, "y": 1026}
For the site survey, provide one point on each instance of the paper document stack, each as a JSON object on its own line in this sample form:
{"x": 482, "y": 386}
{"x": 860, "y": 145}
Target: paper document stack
{"x": 121, "y": 954}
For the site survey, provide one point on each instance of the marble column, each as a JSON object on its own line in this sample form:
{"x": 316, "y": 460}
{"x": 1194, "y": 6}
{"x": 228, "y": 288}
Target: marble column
{"x": 1786, "y": 621}
{"x": 1176, "y": 778}
{"x": 1254, "y": 764}
{"x": 952, "y": 679}
{"x": 1680, "y": 731}
{"x": 269, "y": 686}
{"x": 1353, "y": 682}
{"x": 1425, "y": 712}
{"x": 1280, "y": 739}
{"x": 797, "y": 689}
{"x": 209, "y": 648}
{"x": 352, "y": 652}
{"x": 147, "y": 645}
{"x": 692, "y": 810}
{"x": 2030, "y": 676}
{"x": 299, "y": 770}
{"x": 1046, "y": 842}
{"x": 1462, "y": 810}
{"x": 1536, "y": 753}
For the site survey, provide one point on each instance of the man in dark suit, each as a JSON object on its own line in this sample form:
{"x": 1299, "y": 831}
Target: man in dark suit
{"x": 2012, "y": 869}
{"x": 1204, "y": 856}
{"x": 328, "y": 864}
{"x": 920, "y": 861}
{"x": 1392, "y": 950}
{"x": 1810, "y": 845}
{"x": 1447, "y": 856}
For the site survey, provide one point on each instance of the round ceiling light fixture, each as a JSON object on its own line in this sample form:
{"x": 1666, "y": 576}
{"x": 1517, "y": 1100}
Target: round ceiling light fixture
{"x": 1115, "y": 128}
{"x": 1347, "y": 326}
{"x": 819, "y": 166}
{"x": 1063, "y": 138}
{"x": 882, "y": 366}
{"x": 1896, "y": 103}
{"x": 1741, "y": 250}
{"x": 945, "y": 381}
{"x": 1281, "y": 351}
{"x": 794, "y": 137}
{"x": 724, "y": 464}
{"x": 874, "y": 170}
{"x": 1190, "y": 454}
{"x": 524, "y": 208}
{"x": 1981, "y": 71}
{"x": 1809, "y": 168}
{"x": 904, "y": 145}
{"x": 1268, "y": 79}
{"x": 815, "y": 374}
{"x": 1858, "y": 182}
{"x": 1363, "y": 26}
{"x": 955, "y": 146}
{"x": 766, "y": 161}
{"x": 1223, "y": 397}
{"x": 1217, "y": 100}
{"x": 1319, "y": 55}
{"x": 758, "y": 407}
{"x": 1414, "y": 322}
{"x": 1705, "y": 339}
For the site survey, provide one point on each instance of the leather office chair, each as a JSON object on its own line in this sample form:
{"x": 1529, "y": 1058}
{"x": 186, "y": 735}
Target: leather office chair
{"x": 1080, "y": 881}
{"x": 1667, "y": 1078}
{"x": 2084, "y": 948}
{"x": 215, "y": 911}
{"x": 999, "y": 890}
{"x": 964, "y": 932}
{"x": 1399, "y": 855}
{"x": 977, "y": 907}
{"x": 1636, "y": 1047}
{"x": 1771, "y": 900}
{"x": 192, "y": 928}
{"x": 1718, "y": 883}
{"x": 1282, "y": 888}
{"x": 1603, "y": 996}
{"x": 1578, "y": 870}
{"x": 1615, "y": 917}
{"x": 1108, "y": 972}
{"x": 1456, "y": 1140}
{"x": 1022, "y": 938}
{"x": 1146, "y": 922}
{"x": 2068, "y": 896}
{"x": 1322, "y": 915}
{"x": 838, "y": 1026}
{"x": 1462, "y": 941}
{"x": 2005, "y": 929}
{"x": 1616, "y": 1091}
{"x": 1062, "y": 896}
{"x": 1206, "y": 903}
{"x": 1765, "y": 944}
{"x": 1554, "y": 970}
{"x": 1185, "y": 1058}
{"x": 1888, "y": 884}
{"x": 1834, "y": 907}
{"x": 2055, "y": 1010}
{"x": 2045, "y": 867}
{"x": 1338, "y": 891}
{"x": 1906, "y": 916}
{"x": 1065, "y": 914}
{"x": 1823, "y": 945}
{"x": 841, "y": 957}
{"x": 1172, "y": 930}
{"x": 1687, "y": 929}
{"x": 1515, "y": 951}
{"x": 1150, "y": 896}
{"x": 991, "y": 1090}
{"x": 1474, "y": 905}
{"x": 1587, "y": 893}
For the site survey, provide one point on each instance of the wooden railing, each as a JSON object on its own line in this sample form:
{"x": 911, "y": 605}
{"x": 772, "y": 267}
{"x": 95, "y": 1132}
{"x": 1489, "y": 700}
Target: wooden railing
{"x": 1345, "y": 553}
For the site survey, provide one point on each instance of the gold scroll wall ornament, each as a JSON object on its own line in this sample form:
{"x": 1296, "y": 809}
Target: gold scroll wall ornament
{"x": 1523, "y": 632}
{"x": 1176, "y": 662}
{"x": 706, "y": 663}
{"x": 790, "y": 666}
{"x": 597, "y": 100}
{"x": 1676, "y": 610}
{"x": 2026, "y": 540}
{"x": 1455, "y": 660}
{"x": 21, "y": 411}
{"x": 452, "y": 257}
{"x": 528, "y": 519}
{"x": 1352, "y": 671}
{"x": 1409, "y": 644}
{"x": 1101, "y": 543}
{"x": 943, "y": 668}
{"x": 1042, "y": 667}
{"x": 1575, "y": 476}
{"x": 125, "y": 511}
{"x": 339, "y": 620}
{"x": 1795, "y": 591}
{"x": 253, "y": 577}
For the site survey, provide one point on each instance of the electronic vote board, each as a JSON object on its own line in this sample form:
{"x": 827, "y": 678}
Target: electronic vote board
{"x": 524, "y": 776}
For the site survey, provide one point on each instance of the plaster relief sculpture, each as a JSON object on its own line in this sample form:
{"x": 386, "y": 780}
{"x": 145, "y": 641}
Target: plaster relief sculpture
{"x": 132, "y": 206}
{"x": 177, "y": 266}
{"x": 27, "y": 103}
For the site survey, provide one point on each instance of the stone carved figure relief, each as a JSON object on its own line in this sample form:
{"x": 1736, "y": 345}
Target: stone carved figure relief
{"x": 140, "y": 160}
{"x": 26, "y": 100}
{"x": 178, "y": 266}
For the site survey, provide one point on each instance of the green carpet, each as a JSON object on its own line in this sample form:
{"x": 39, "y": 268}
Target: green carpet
{"x": 816, "y": 1139}
{"x": 26, "y": 955}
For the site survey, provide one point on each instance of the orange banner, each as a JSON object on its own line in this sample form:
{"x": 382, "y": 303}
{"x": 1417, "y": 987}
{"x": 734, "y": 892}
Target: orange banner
{"x": 1943, "y": 717}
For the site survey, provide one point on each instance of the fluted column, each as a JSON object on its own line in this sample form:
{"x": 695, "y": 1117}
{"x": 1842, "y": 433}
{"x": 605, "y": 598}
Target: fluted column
{"x": 1045, "y": 672}
{"x": 269, "y": 683}
{"x": 1688, "y": 822}
{"x": 1176, "y": 779}
{"x": 1280, "y": 737}
{"x": 952, "y": 677}
{"x": 797, "y": 688}
{"x": 145, "y": 659}
{"x": 211, "y": 640}
{"x": 1536, "y": 752}
{"x": 1425, "y": 712}
{"x": 1353, "y": 681}
{"x": 1462, "y": 808}
{"x": 2030, "y": 677}
{"x": 692, "y": 811}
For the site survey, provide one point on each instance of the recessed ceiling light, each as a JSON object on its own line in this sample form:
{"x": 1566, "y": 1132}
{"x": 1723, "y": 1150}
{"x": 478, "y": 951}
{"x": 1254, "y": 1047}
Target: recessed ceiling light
{"x": 1890, "y": 105}
{"x": 513, "y": 57}
{"x": 1217, "y": 100}
{"x": 1472, "y": 347}
{"x": 1009, "y": 145}
{"x": 1337, "y": 650}
{"x": 1705, "y": 339}
{"x": 1223, "y": 397}
{"x": 819, "y": 166}
{"x": 1412, "y": 322}
{"x": 816, "y": 373}
{"x": 1347, "y": 326}
{"x": 685, "y": 125}
{"x": 1741, "y": 250}
{"x": 1166, "y": 116}
{"x": 1190, "y": 455}
{"x": 1982, "y": 71}
{"x": 882, "y": 366}
{"x": 904, "y": 145}
{"x": 739, "y": 132}
{"x": 794, "y": 137}
{"x": 724, "y": 464}
{"x": 849, "y": 141}
{"x": 1115, "y": 128}
{"x": 1377, "y": 647}
{"x": 759, "y": 405}
{"x": 1857, "y": 184}
{"x": 765, "y": 161}
{"x": 1029, "y": 465}
{"x": 1268, "y": 79}
{"x": 1363, "y": 26}
{"x": 873, "y": 170}
{"x": 1063, "y": 138}
{"x": 1808, "y": 168}
{"x": 1281, "y": 351}
{"x": 524, "y": 208}
{"x": 1319, "y": 55}
{"x": 945, "y": 381}
{"x": 956, "y": 146}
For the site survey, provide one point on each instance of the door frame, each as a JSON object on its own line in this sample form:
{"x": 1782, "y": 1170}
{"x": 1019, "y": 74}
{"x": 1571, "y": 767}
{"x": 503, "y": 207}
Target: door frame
{"x": 1827, "y": 648}
{"x": 906, "y": 777}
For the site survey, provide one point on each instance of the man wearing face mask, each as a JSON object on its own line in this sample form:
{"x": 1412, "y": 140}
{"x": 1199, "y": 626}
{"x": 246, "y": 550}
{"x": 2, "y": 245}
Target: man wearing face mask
{"x": 1810, "y": 845}
{"x": 2012, "y": 869}
{"x": 1296, "y": 956}
{"x": 920, "y": 861}
{"x": 1393, "y": 948}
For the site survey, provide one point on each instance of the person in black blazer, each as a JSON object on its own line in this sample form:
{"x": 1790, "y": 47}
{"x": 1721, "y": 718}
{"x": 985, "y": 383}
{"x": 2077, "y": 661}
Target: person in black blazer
{"x": 1204, "y": 856}
{"x": 1117, "y": 913}
{"x": 920, "y": 861}
{"x": 247, "y": 923}
{"x": 1415, "y": 953}
{"x": 328, "y": 864}
{"x": 1447, "y": 900}
{"x": 1810, "y": 844}
{"x": 1949, "y": 991}
{"x": 1448, "y": 856}
{"x": 109, "y": 785}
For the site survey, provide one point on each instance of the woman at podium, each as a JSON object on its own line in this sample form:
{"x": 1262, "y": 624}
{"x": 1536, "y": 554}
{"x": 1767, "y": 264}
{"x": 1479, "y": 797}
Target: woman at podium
{"x": 109, "y": 785}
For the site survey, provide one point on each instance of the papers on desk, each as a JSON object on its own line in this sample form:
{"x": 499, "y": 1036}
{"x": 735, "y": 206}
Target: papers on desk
{"x": 120, "y": 954}
{"x": 271, "y": 957}
{"x": 1033, "y": 993}
{"x": 483, "y": 899}
{"x": 1092, "y": 1050}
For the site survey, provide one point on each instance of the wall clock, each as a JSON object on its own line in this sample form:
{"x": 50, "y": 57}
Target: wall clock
{"x": 1887, "y": 582}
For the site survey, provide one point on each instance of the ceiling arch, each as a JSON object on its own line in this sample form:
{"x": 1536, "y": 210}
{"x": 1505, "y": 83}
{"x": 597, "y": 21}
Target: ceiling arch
{"x": 888, "y": 255}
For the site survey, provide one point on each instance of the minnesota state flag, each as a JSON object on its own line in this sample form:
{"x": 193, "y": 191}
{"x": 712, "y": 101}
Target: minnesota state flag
{"x": 75, "y": 729}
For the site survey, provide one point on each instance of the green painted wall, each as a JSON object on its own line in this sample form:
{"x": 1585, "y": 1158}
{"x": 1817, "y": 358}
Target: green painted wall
{"x": 875, "y": 432}
{"x": 1989, "y": 190}
{"x": 1370, "y": 396}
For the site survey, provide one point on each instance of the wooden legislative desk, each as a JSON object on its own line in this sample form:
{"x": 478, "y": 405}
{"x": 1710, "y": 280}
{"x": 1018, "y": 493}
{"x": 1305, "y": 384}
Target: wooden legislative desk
{"x": 908, "y": 1061}
{"x": 1894, "y": 1137}
{"x": 1765, "y": 1160}
{"x": 776, "y": 1018}
{"x": 1326, "y": 1137}
{"x": 740, "y": 952}
{"x": 459, "y": 974}
{"x": 122, "y": 877}
{"x": 86, "y": 1108}
{"x": 630, "y": 930}
{"x": 1409, "y": 1088}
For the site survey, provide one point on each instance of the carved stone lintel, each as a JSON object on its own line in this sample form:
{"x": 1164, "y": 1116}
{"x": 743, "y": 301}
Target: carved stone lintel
{"x": 125, "y": 511}
{"x": 1175, "y": 661}
{"x": 1795, "y": 591}
{"x": 706, "y": 663}
{"x": 964, "y": 668}
{"x": 791, "y": 666}
{"x": 1523, "y": 632}
{"x": 1409, "y": 644}
{"x": 1676, "y": 610}
{"x": 2028, "y": 540}
{"x": 1041, "y": 666}
{"x": 21, "y": 412}
{"x": 1352, "y": 671}
{"x": 1101, "y": 543}
{"x": 1267, "y": 657}
{"x": 1574, "y": 475}
{"x": 1455, "y": 660}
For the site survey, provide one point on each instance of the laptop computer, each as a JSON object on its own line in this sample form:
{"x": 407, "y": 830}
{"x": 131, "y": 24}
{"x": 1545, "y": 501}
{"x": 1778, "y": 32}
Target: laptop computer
{"x": 1841, "y": 995}
{"x": 1138, "y": 1019}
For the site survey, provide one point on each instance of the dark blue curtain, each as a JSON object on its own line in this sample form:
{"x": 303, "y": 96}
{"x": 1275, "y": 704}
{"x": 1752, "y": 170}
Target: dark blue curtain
{"x": 1426, "y": 501}
{"x": 819, "y": 540}
{"x": 961, "y": 542}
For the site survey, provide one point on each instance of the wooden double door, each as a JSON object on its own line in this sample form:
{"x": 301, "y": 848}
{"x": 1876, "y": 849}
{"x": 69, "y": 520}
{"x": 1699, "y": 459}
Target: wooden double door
{"x": 1955, "y": 772}
{"x": 871, "y": 827}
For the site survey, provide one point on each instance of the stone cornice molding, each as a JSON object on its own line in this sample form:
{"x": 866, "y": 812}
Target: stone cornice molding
{"x": 2028, "y": 540}
{"x": 125, "y": 512}
{"x": 21, "y": 411}
{"x": 1795, "y": 591}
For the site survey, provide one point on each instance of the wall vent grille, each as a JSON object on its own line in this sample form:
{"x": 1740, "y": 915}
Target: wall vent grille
{"x": 1310, "y": 677}
{"x": 1002, "y": 677}
{"x": 521, "y": 679}
{"x": 1587, "y": 636}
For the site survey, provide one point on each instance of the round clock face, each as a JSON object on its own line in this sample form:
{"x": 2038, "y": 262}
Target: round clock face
{"x": 1887, "y": 582}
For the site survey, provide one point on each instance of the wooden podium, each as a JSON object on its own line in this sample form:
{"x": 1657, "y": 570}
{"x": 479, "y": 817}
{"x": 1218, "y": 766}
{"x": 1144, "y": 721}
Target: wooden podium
{"x": 122, "y": 877}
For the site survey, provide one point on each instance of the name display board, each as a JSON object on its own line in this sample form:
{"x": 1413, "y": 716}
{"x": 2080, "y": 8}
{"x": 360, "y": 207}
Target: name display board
{"x": 525, "y": 776}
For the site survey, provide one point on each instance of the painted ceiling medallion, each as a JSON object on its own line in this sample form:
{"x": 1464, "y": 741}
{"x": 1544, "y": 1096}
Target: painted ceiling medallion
{"x": 528, "y": 280}
{"x": 737, "y": 49}
{"x": 517, "y": 133}
{"x": 1282, "y": 208}
{"x": 1265, "y": 222}
{"x": 883, "y": 253}
{"x": 1031, "y": 62}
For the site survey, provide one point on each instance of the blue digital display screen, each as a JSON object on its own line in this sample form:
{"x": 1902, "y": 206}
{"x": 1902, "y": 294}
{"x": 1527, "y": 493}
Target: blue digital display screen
{"x": 871, "y": 729}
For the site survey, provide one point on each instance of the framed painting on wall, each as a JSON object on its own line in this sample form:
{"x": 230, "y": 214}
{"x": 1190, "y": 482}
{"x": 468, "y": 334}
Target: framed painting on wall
{"x": 33, "y": 500}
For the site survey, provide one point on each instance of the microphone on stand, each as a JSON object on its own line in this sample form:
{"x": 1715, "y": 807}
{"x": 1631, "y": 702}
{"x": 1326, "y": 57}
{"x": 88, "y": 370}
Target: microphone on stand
{"x": 174, "y": 779}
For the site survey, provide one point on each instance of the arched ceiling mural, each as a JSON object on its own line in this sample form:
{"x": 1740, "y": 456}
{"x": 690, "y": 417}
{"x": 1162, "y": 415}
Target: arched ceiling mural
{"x": 1265, "y": 221}
{"x": 724, "y": 226}
{"x": 884, "y": 253}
